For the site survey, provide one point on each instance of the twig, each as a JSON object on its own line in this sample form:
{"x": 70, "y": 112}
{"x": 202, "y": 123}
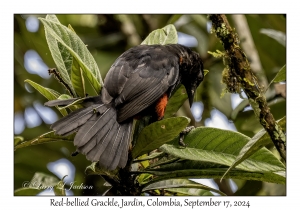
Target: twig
{"x": 58, "y": 77}
{"x": 238, "y": 75}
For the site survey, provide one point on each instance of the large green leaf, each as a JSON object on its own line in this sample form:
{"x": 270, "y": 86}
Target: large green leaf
{"x": 222, "y": 147}
{"x": 45, "y": 138}
{"x": 166, "y": 35}
{"x": 158, "y": 133}
{"x": 258, "y": 141}
{"x": 47, "y": 93}
{"x": 61, "y": 56}
{"x": 176, "y": 101}
{"x": 77, "y": 78}
{"x": 77, "y": 49}
{"x": 179, "y": 183}
{"x": 38, "y": 183}
{"x": 207, "y": 170}
{"x": 216, "y": 173}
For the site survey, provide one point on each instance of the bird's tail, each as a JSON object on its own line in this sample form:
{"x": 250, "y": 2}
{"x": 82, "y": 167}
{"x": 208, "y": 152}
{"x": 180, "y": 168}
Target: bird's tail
{"x": 99, "y": 136}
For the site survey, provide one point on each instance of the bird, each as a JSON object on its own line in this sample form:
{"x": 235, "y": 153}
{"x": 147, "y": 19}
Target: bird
{"x": 139, "y": 83}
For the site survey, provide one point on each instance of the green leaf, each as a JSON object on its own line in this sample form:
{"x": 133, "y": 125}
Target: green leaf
{"x": 217, "y": 173}
{"x": 64, "y": 96}
{"x": 144, "y": 163}
{"x": 144, "y": 178}
{"x": 18, "y": 140}
{"x": 176, "y": 101}
{"x": 281, "y": 75}
{"x": 205, "y": 71}
{"x": 77, "y": 79}
{"x": 70, "y": 40}
{"x": 222, "y": 147}
{"x": 149, "y": 157}
{"x": 164, "y": 161}
{"x": 47, "y": 93}
{"x": 158, "y": 133}
{"x": 190, "y": 192}
{"x": 55, "y": 93}
{"x": 45, "y": 138}
{"x": 71, "y": 28}
{"x": 258, "y": 141}
{"x": 61, "y": 56}
{"x": 179, "y": 183}
{"x": 95, "y": 169}
{"x": 37, "y": 184}
{"x": 166, "y": 35}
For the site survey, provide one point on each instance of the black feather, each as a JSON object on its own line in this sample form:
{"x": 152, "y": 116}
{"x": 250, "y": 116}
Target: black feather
{"x": 136, "y": 74}
{"x": 59, "y": 102}
{"x": 74, "y": 120}
{"x": 103, "y": 139}
{"x": 92, "y": 126}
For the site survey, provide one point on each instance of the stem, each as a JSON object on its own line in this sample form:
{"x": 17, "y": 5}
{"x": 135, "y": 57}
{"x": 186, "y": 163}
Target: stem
{"x": 238, "y": 75}
{"x": 59, "y": 78}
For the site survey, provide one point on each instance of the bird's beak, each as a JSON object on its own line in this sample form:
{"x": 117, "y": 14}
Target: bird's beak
{"x": 191, "y": 91}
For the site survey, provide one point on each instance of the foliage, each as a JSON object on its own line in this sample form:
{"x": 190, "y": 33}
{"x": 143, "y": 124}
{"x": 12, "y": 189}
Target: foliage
{"x": 160, "y": 165}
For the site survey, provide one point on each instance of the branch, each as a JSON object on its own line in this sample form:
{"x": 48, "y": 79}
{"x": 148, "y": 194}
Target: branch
{"x": 238, "y": 75}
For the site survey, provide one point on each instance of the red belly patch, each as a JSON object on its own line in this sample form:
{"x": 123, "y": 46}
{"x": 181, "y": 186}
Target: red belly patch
{"x": 161, "y": 106}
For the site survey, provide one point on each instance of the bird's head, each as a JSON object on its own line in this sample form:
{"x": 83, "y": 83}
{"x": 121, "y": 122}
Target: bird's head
{"x": 192, "y": 73}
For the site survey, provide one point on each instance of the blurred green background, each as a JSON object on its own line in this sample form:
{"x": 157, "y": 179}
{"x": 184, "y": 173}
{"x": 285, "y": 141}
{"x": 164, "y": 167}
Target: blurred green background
{"x": 107, "y": 37}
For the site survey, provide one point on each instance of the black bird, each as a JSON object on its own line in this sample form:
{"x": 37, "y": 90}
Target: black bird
{"x": 139, "y": 83}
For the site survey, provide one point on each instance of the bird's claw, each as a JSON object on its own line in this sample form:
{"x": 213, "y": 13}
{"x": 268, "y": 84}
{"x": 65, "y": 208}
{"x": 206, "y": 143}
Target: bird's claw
{"x": 182, "y": 134}
{"x": 74, "y": 153}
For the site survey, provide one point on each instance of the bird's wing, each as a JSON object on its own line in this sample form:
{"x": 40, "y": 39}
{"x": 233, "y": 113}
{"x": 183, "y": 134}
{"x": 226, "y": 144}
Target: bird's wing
{"x": 139, "y": 78}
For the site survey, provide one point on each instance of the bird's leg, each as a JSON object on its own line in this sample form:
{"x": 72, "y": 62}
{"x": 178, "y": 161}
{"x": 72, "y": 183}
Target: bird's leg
{"x": 182, "y": 134}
